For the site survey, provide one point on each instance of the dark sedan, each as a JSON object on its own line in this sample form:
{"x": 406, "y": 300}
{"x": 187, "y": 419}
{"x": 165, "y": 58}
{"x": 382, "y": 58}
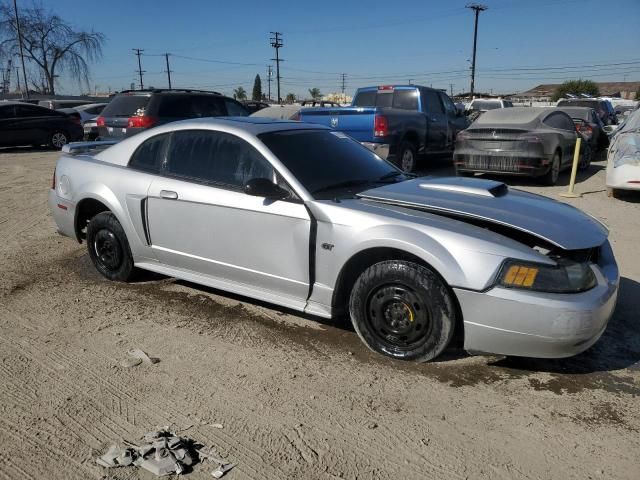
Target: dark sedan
{"x": 536, "y": 142}
{"x": 25, "y": 124}
{"x": 589, "y": 125}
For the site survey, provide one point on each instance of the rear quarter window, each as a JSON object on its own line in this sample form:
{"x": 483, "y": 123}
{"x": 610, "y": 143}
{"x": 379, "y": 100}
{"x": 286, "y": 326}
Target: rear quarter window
{"x": 149, "y": 155}
{"x": 406, "y": 99}
{"x": 365, "y": 99}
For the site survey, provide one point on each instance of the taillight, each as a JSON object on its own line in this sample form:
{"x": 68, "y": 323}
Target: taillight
{"x": 141, "y": 121}
{"x": 380, "y": 126}
{"x": 53, "y": 182}
{"x": 584, "y": 129}
{"x": 385, "y": 88}
{"x": 100, "y": 122}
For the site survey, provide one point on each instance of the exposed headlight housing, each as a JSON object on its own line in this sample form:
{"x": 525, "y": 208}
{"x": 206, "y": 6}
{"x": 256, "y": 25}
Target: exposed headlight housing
{"x": 567, "y": 276}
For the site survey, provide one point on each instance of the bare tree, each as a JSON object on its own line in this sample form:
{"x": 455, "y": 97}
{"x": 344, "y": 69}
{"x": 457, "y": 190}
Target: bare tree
{"x": 52, "y": 44}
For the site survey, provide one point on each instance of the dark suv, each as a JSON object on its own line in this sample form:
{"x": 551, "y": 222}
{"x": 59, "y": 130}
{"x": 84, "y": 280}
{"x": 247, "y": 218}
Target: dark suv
{"x": 133, "y": 111}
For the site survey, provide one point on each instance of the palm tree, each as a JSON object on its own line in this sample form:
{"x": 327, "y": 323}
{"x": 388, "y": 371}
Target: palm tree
{"x": 315, "y": 93}
{"x": 290, "y": 98}
{"x": 239, "y": 93}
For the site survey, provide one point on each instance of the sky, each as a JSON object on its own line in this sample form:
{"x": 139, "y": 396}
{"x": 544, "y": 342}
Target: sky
{"x": 221, "y": 45}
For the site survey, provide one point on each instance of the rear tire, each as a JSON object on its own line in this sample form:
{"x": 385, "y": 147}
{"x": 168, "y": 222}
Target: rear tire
{"x": 407, "y": 157}
{"x": 612, "y": 193}
{"x": 585, "y": 158}
{"x": 402, "y": 310}
{"x": 58, "y": 139}
{"x": 108, "y": 247}
{"x": 551, "y": 177}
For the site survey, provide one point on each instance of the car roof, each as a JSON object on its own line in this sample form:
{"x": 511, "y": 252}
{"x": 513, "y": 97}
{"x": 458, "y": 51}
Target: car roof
{"x": 242, "y": 127}
{"x": 17, "y": 102}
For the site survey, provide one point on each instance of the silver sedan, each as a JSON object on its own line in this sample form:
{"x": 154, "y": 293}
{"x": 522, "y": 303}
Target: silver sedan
{"x": 305, "y": 217}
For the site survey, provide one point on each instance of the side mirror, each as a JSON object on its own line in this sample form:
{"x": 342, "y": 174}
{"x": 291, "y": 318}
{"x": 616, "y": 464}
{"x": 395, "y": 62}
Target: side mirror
{"x": 263, "y": 187}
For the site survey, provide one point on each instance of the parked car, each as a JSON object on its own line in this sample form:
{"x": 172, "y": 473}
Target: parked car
{"x": 530, "y": 141}
{"x": 603, "y": 108}
{"x": 623, "y": 157}
{"x": 484, "y": 104}
{"x": 589, "y": 125}
{"x": 623, "y": 111}
{"x": 253, "y": 106}
{"x": 88, "y": 117}
{"x": 396, "y": 122}
{"x": 54, "y": 104}
{"x": 305, "y": 217}
{"x": 282, "y": 112}
{"x": 134, "y": 111}
{"x": 26, "y": 124}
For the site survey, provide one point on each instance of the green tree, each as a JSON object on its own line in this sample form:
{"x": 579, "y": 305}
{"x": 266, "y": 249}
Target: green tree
{"x": 315, "y": 93}
{"x": 576, "y": 87}
{"x": 290, "y": 98}
{"x": 257, "y": 89}
{"x": 239, "y": 93}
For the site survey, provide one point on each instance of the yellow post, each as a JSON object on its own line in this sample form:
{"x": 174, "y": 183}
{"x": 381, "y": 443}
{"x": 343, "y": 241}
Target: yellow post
{"x": 574, "y": 169}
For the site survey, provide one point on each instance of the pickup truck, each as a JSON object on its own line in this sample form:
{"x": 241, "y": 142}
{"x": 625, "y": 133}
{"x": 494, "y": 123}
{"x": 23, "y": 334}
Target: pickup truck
{"x": 396, "y": 122}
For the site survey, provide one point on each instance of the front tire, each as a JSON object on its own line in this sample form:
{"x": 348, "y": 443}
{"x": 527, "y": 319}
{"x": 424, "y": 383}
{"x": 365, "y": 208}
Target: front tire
{"x": 402, "y": 310}
{"x": 108, "y": 247}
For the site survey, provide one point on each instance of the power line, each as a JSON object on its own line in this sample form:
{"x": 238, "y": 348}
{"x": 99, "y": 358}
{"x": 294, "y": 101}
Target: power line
{"x": 276, "y": 42}
{"x": 140, "y": 71}
{"x": 477, "y": 8}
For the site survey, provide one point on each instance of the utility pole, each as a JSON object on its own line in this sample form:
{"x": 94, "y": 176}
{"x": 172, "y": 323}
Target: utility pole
{"x": 344, "y": 76}
{"x": 451, "y": 88}
{"x": 477, "y": 8}
{"x": 276, "y": 42}
{"x": 269, "y": 79}
{"x": 140, "y": 71}
{"x": 18, "y": 77}
{"x": 24, "y": 72}
{"x": 410, "y": 81}
{"x": 166, "y": 58}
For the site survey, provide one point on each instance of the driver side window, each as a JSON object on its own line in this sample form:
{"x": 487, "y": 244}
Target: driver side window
{"x": 216, "y": 158}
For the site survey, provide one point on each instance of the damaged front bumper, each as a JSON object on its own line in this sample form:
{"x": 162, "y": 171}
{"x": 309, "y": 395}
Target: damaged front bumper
{"x": 536, "y": 324}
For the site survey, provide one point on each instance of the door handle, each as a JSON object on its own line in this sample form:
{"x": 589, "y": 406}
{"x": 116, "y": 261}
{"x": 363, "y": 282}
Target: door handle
{"x": 169, "y": 195}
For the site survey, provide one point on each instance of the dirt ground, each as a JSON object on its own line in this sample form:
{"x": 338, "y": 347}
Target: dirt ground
{"x": 298, "y": 397}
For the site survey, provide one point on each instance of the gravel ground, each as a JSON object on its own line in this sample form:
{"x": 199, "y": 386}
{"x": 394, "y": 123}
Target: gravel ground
{"x": 298, "y": 397}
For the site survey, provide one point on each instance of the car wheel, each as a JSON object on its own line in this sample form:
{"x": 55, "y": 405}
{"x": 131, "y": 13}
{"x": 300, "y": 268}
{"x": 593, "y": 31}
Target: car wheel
{"x": 402, "y": 310}
{"x": 108, "y": 247}
{"x": 611, "y": 192}
{"x": 551, "y": 177}
{"x": 407, "y": 157}
{"x": 585, "y": 158}
{"x": 58, "y": 139}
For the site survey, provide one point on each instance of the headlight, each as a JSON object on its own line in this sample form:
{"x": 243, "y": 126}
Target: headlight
{"x": 566, "y": 277}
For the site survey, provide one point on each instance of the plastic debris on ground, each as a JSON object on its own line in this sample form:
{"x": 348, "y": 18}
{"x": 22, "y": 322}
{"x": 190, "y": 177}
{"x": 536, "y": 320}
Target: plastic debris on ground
{"x": 164, "y": 453}
{"x": 136, "y": 357}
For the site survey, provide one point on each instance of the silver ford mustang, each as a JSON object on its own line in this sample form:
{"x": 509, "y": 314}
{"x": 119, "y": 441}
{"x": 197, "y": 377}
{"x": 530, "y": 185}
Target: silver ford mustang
{"x": 305, "y": 217}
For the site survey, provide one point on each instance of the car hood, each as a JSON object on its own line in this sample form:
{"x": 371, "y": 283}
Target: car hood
{"x": 493, "y": 202}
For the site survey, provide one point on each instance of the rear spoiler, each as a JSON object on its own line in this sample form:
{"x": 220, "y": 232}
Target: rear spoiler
{"x": 78, "y": 148}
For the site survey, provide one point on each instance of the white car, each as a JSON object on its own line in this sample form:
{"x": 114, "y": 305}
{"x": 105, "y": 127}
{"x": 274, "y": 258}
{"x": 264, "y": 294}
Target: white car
{"x": 623, "y": 158}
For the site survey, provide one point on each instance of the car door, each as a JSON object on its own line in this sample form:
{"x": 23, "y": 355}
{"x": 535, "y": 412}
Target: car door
{"x": 33, "y": 124}
{"x": 455, "y": 122}
{"x": 7, "y": 125}
{"x": 565, "y": 130}
{"x": 436, "y": 120}
{"x": 200, "y": 219}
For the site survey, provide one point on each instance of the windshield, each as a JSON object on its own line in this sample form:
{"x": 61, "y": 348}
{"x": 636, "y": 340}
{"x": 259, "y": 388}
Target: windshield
{"x": 126, "y": 105}
{"x": 328, "y": 163}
